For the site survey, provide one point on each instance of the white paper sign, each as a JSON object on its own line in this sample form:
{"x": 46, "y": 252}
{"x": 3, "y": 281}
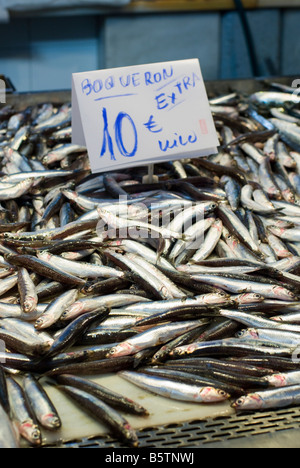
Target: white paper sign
{"x": 145, "y": 114}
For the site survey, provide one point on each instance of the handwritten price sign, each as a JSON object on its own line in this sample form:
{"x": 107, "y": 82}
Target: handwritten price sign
{"x": 140, "y": 115}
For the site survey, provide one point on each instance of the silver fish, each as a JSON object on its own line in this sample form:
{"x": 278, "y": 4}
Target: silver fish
{"x": 175, "y": 390}
{"x": 155, "y": 336}
{"x": 55, "y": 309}
{"x": 80, "y": 269}
{"x": 269, "y": 399}
{"x": 21, "y": 414}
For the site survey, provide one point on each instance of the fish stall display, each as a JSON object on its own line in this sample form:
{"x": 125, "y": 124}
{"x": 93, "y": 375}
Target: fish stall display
{"x": 187, "y": 288}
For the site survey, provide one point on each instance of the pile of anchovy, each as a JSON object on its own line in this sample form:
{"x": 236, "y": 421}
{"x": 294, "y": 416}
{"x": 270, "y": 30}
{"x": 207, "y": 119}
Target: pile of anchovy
{"x": 187, "y": 287}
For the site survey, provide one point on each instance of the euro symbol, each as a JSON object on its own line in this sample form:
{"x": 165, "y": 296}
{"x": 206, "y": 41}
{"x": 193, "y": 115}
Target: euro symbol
{"x": 152, "y": 126}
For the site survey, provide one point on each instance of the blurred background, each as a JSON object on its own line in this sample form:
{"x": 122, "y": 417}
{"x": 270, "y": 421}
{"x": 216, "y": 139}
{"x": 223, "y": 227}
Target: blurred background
{"x": 42, "y": 42}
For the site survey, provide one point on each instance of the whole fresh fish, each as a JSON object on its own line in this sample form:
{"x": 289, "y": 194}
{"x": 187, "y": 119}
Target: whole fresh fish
{"x": 44, "y": 268}
{"x": 153, "y": 337}
{"x": 286, "y": 379}
{"x": 256, "y": 321}
{"x": 60, "y": 152}
{"x": 228, "y": 346}
{"x": 31, "y": 346}
{"x": 269, "y": 399}
{"x": 184, "y": 249}
{"x": 27, "y": 289}
{"x": 56, "y": 308}
{"x": 109, "y": 397}
{"x": 22, "y": 415}
{"x": 232, "y": 366}
{"x": 20, "y": 177}
{"x": 272, "y": 98}
{"x": 26, "y": 330}
{"x": 188, "y": 376}
{"x": 118, "y": 223}
{"x": 184, "y": 219}
{"x": 79, "y": 269}
{"x": 174, "y": 292}
{"x": 99, "y": 367}
{"x": 210, "y": 243}
{"x": 60, "y": 119}
{"x": 234, "y": 225}
{"x": 152, "y": 282}
{"x": 90, "y": 304}
{"x": 248, "y": 202}
{"x": 291, "y": 235}
{"x": 74, "y": 330}
{"x": 103, "y": 413}
{"x": 18, "y": 190}
{"x": 42, "y": 407}
{"x": 272, "y": 336}
{"x": 213, "y": 299}
{"x": 290, "y": 132}
{"x": 175, "y": 390}
{"x": 238, "y": 286}
{"x": 132, "y": 246}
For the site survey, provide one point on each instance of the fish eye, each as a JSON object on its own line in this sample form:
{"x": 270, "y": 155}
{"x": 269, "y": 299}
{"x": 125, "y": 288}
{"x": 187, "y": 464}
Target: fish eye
{"x": 36, "y": 434}
{"x": 240, "y": 401}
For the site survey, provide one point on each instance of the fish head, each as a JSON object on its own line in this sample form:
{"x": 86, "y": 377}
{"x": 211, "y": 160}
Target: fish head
{"x": 277, "y": 380}
{"x": 277, "y": 319}
{"x": 51, "y": 421}
{"x": 289, "y": 196}
{"x": 183, "y": 350}
{"x": 131, "y": 435}
{"x": 46, "y": 160}
{"x": 249, "y": 402}
{"x": 40, "y": 323}
{"x": 249, "y": 298}
{"x": 30, "y": 432}
{"x": 73, "y": 311}
{"x": 218, "y": 224}
{"x": 165, "y": 293}
{"x": 123, "y": 349}
{"x": 46, "y": 256}
{"x": 284, "y": 293}
{"x": 70, "y": 194}
{"x": 248, "y": 333}
{"x": 30, "y": 304}
{"x": 213, "y": 395}
{"x": 277, "y": 230}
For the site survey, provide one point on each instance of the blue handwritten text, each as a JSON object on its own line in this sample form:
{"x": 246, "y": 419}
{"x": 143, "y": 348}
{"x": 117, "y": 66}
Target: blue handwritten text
{"x": 169, "y": 99}
{"x": 177, "y": 141}
{"x": 119, "y": 137}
